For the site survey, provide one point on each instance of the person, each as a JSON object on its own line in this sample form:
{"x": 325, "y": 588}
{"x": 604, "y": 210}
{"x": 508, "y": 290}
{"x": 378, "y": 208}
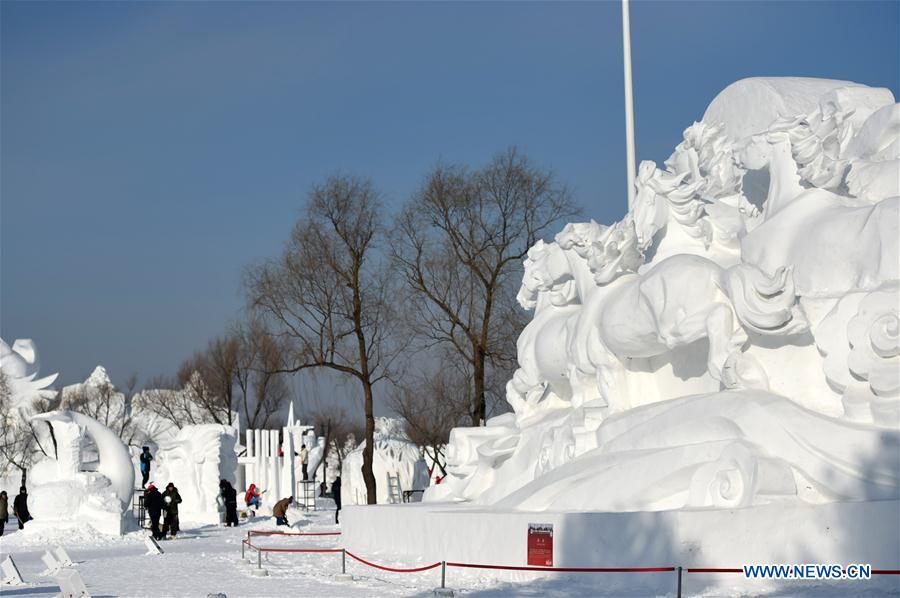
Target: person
{"x": 322, "y": 488}
{"x": 4, "y": 510}
{"x": 229, "y": 495}
{"x": 146, "y": 457}
{"x": 279, "y": 511}
{"x": 251, "y": 497}
{"x": 336, "y": 495}
{"x": 20, "y": 508}
{"x": 304, "y": 457}
{"x": 153, "y": 502}
{"x": 171, "y": 499}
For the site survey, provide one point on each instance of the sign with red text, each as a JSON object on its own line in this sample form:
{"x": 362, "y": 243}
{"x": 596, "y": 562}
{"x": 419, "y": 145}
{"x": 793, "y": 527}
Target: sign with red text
{"x": 540, "y": 544}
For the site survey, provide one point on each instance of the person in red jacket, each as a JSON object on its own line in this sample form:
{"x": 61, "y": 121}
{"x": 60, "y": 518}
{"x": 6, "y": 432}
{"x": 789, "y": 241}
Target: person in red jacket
{"x": 251, "y": 497}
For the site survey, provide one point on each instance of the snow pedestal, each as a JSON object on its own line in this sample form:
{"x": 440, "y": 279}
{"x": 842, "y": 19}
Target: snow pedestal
{"x": 863, "y": 532}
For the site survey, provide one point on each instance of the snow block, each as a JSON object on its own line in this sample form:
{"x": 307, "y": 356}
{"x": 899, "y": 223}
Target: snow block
{"x": 63, "y": 557}
{"x": 50, "y": 562}
{"x": 11, "y": 575}
{"x": 152, "y": 545}
{"x": 71, "y": 585}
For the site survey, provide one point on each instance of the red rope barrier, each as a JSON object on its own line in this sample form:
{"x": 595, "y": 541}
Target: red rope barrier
{"x": 567, "y": 569}
{"x": 496, "y": 567}
{"x": 266, "y": 533}
{"x": 298, "y": 549}
{"x": 394, "y": 569}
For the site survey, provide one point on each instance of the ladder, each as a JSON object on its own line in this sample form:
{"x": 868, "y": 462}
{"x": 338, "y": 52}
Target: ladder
{"x": 306, "y": 494}
{"x": 138, "y": 504}
{"x": 393, "y": 488}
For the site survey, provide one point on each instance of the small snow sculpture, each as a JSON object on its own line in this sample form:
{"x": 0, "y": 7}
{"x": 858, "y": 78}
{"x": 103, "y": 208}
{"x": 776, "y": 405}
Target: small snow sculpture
{"x": 395, "y": 457}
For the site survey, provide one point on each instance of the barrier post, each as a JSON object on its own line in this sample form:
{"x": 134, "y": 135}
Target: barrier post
{"x": 443, "y": 591}
{"x": 259, "y": 571}
{"x": 242, "y": 551}
{"x": 679, "y": 582}
{"x": 342, "y": 576}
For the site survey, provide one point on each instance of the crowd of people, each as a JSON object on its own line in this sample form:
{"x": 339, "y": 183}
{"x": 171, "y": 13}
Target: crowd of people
{"x": 164, "y": 505}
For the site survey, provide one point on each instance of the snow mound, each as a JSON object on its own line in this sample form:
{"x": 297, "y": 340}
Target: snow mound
{"x": 72, "y": 534}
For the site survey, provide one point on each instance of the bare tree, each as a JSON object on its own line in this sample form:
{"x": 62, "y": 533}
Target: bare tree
{"x": 164, "y": 398}
{"x": 460, "y": 243}
{"x": 328, "y": 293}
{"x": 431, "y": 406}
{"x": 220, "y": 370}
{"x": 346, "y": 441}
{"x": 260, "y": 361}
{"x": 199, "y": 382}
{"x": 105, "y": 403}
{"x": 19, "y": 443}
{"x": 332, "y": 422}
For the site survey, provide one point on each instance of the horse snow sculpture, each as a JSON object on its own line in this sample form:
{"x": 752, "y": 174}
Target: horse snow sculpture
{"x": 733, "y": 341}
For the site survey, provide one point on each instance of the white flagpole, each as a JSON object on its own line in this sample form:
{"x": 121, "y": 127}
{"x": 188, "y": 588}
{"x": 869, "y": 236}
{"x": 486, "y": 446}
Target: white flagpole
{"x": 629, "y": 102}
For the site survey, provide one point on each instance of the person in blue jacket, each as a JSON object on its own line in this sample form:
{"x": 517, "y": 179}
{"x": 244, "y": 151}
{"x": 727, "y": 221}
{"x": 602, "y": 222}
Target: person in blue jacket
{"x": 146, "y": 457}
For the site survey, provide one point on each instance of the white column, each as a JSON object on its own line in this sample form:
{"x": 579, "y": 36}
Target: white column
{"x": 273, "y": 468}
{"x": 264, "y": 461}
{"x": 288, "y": 477}
{"x": 629, "y": 103}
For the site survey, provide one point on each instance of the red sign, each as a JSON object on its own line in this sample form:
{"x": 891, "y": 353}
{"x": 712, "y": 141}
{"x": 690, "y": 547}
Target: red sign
{"x": 540, "y": 544}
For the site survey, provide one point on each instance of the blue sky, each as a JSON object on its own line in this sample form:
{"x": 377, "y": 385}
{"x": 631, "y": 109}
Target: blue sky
{"x": 150, "y": 151}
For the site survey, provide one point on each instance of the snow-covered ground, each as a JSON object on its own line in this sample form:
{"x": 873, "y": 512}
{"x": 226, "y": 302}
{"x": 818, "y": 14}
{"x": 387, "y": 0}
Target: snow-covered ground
{"x": 206, "y": 560}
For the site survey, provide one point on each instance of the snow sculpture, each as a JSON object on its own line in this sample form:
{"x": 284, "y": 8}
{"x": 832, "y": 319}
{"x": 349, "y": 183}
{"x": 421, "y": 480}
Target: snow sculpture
{"x": 395, "y": 456}
{"x": 734, "y": 341}
{"x": 316, "y": 447}
{"x": 195, "y": 460}
{"x": 62, "y": 494}
{"x": 20, "y": 365}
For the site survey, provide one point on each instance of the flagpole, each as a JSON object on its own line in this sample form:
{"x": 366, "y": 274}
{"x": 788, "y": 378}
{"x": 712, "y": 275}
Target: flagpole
{"x": 629, "y": 103}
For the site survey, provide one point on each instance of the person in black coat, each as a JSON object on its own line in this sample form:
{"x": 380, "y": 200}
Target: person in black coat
{"x": 20, "y": 507}
{"x": 171, "y": 500}
{"x": 336, "y": 494}
{"x": 229, "y": 496}
{"x": 153, "y": 502}
{"x": 4, "y": 510}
